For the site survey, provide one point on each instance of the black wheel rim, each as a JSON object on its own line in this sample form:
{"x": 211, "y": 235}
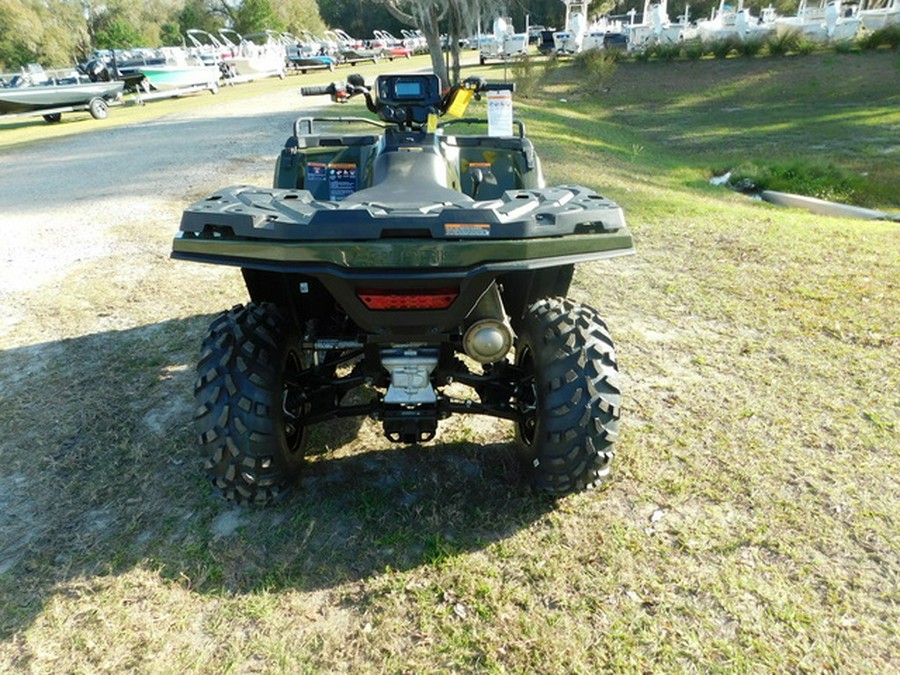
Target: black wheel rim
{"x": 527, "y": 398}
{"x": 293, "y": 431}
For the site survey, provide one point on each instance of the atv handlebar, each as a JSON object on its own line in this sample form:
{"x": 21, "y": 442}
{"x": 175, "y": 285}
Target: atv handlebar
{"x": 318, "y": 90}
{"x": 408, "y": 100}
{"x": 498, "y": 86}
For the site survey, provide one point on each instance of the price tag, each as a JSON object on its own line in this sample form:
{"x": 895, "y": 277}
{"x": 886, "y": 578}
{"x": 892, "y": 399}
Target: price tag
{"x": 500, "y": 113}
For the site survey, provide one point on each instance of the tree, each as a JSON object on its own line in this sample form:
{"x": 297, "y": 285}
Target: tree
{"x": 359, "y": 19}
{"x": 116, "y": 33}
{"x": 49, "y": 32}
{"x": 197, "y": 14}
{"x": 458, "y": 18}
{"x": 425, "y": 15}
{"x": 255, "y": 16}
{"x": 298, "y": 15}
{"x": 121, "y": 24}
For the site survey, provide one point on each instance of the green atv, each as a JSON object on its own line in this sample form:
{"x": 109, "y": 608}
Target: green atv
{"x": 402, "y": 261}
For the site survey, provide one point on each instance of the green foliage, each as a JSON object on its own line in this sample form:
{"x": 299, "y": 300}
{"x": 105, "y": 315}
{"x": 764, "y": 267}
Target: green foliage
{"x": 693, "y": 50}
{"x": 551, "y": 66}
{"x": 783, "y": 44}
{"x": 359, "y": 18}
{"x": 844, "y": 46}
{"x": 889, "y": 36}
{"x": 297, "y": 15}
{"x": 828, "y": 182}
{"x": 117, "y": 34}
{"x": 195, "y": 14}
{"x": 723, "y": 47}
{"x": 523, "y": 74}
{"x": 598, "y": 67}
{"x": 50, "y": 32}
{"x": 749, "y": 47}
{"x": 666, "y": 52}
{"x": 805, "y": 46}
{"x": 254, "y": 16}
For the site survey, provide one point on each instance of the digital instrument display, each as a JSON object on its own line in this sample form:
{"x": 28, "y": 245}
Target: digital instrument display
{"x": 408, "y": 89}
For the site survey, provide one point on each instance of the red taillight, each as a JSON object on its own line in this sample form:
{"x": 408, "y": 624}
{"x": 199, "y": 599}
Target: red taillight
{"x": 392, "y": 299}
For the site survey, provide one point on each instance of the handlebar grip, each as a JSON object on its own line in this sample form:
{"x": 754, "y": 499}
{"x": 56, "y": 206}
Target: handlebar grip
{"x": 317, "y": 90}
{"x": 499, "y": 86}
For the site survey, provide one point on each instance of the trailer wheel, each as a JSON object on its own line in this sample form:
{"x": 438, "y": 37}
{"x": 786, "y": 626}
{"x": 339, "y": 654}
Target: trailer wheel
{"x": 52, "y": 118}
{"x": 570, "y": 396}
{"x": 253, "y": 448}
{"x": 99, "y": 109}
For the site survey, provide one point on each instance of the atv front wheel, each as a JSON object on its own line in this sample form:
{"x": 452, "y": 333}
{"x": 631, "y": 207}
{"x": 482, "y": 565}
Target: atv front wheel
{"x": 253, "y": 448}
{"x": 570, "y": 397}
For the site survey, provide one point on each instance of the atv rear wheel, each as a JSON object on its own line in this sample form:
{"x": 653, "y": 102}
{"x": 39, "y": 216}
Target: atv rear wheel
{"x": 252, "y": 446}
{"x": 571, "y": 398}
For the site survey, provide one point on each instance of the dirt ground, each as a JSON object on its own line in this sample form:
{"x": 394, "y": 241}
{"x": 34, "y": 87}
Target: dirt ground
{"x": 60, "y": 200}
{"x": 87, "y": 222}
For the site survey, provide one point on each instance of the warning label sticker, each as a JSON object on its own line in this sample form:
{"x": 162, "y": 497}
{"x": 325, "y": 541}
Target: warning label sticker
{"x": 467, "y": 230}
{"x": 316, "y": 175}
{"x": 341, "y": 180}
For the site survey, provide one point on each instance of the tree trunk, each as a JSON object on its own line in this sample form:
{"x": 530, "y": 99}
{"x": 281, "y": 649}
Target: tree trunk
{"x": 428, "y": 21}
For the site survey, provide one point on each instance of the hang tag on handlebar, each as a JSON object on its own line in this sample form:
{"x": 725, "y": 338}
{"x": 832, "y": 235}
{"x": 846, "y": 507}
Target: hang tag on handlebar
{"x": 500, "y": 113}
{"x": 461, "y": 100}
{"x": 432, "y": 123}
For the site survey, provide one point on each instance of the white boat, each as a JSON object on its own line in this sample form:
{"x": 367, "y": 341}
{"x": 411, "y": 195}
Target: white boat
{"x": 602, "y": 32}
{"x": 825, "y": 21}
{"x": 729, "y": 21}
{"x": 255, "y": 55}
{"x": 881, "y": 16}
{"x": 207, "y": 47}
{"x": 655, "y": 26}
{"x": 570, "y": 40}
{"x": 504, "y": 42}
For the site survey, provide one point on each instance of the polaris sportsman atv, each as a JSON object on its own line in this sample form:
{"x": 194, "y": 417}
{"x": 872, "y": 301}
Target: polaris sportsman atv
{"x": 401, "y": 261}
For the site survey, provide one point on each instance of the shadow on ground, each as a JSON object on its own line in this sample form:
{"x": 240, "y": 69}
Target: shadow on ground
{"x": 103, "y": 475}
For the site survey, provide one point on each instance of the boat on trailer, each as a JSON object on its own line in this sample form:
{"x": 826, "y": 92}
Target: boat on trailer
{"x": 181, "y": 71}
{"x": 35, "y": 93}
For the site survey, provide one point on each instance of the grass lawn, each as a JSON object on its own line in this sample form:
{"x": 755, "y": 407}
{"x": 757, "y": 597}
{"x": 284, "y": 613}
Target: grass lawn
{"x": 753, "y": 520}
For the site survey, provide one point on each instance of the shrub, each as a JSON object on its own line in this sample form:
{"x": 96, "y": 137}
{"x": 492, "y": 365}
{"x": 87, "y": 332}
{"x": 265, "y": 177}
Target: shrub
{"x": 750, "y": 47}
{"x": 722, "y": 47}
{"x": 666, "y": 52}
{"x": 779, "y": 45}
{"x": 551, "y": 65}
{"x": 598, "y": 66}
{"x": 805, "y": 46}
{"x": 693, "y": 49}
{"x": 889, "y": 36}
{"x": 523, "y": 74}
{"x": 813, "y": 180}
{"x": 844, "y": 46}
